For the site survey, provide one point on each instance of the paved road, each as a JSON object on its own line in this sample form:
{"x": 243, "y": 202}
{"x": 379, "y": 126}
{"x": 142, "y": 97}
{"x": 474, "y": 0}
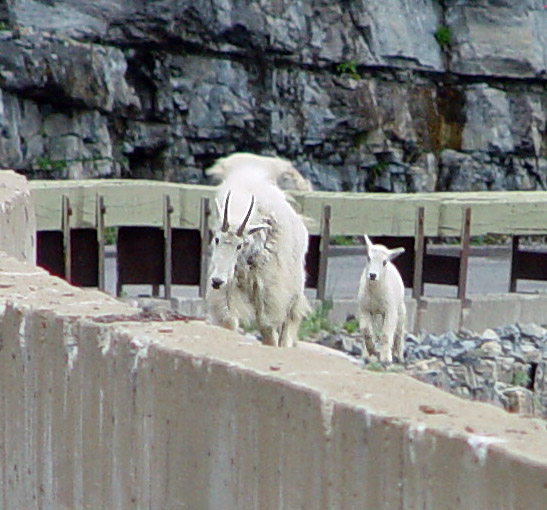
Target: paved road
{"x": 488, "y": 273}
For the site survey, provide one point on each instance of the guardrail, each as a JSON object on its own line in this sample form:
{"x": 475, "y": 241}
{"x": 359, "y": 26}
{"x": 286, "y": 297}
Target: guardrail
{"x": 139, "y": 202}
{"x": 162, "y": 230}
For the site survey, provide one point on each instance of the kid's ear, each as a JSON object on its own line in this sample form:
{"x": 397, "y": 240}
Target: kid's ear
{"x": 395, "y": 253}
{"x": 368, "y": 244}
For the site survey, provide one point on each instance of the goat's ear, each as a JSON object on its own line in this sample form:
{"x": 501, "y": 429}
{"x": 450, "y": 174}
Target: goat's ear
{"x": 368, "y": 244}
{"x": 257, "y": 228}
{"x": 395, "y": 253}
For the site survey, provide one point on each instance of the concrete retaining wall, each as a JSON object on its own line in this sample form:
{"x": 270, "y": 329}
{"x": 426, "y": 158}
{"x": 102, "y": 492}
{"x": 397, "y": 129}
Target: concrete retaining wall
{"x": 99, "y": 410}
{"x": 17, "y": 217}
{"x": 480, "y": 312}
{"x": 438, "y": 315}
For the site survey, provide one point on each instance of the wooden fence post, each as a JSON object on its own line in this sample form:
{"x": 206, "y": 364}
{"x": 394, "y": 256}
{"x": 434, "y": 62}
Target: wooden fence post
{"x": 168, "y": 246}
{"x": 324, "y": 254}
{"x": 67, "y": 248}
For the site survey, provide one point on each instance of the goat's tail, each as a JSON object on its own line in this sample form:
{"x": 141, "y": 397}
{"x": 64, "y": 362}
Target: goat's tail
{"x": 298, "y": 309}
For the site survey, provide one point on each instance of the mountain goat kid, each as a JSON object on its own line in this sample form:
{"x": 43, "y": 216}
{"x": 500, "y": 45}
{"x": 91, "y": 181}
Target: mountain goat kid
{"x": 257, "y": 260}
{"x": 381, "y": 302}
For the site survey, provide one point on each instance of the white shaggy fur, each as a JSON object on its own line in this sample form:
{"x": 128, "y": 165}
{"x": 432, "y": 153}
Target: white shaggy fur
{"x": 381, "y": 302}
{"x": 257, "y": 266}
{"x": 278, "y": 171}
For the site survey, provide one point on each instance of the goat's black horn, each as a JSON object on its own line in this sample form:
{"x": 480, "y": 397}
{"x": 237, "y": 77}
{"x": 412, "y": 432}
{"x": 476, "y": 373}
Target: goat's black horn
{"x": 225, "y": 219}
{"x": 241, "y": 229}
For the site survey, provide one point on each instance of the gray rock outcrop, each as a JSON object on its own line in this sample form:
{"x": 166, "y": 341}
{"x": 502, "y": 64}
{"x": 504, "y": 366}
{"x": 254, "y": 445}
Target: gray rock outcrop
{"x": 389, "y": 95}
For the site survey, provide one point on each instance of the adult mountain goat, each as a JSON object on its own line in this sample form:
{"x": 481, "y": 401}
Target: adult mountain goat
{"x": 279, "y": 171}
{"x": 381, "y": 301}
{"x": 257, "y": 260}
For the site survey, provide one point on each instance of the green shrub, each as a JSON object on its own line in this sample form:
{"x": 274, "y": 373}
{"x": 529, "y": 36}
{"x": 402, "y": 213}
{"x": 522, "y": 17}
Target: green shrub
{"x": 351, "y": 326}
{"x": 520, "y": 378}
{"x": 110, "y": 235}
{"x": 378, "y": 169}
{"x": 443, "y": 36}
{"x": 375, "y": 366}
{"x": 343, "y": 240}
{"x": 488, "y": 240}
{"x": 316, "y": 321}
{"x": 348, "y": 68}
{"x": 47, "y": 165}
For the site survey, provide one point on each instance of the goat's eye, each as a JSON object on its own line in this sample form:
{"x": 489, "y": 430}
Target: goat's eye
{"x": 238, "y": 247}
{"x": 217, "y": 240}
{"x": 384, "y": 262}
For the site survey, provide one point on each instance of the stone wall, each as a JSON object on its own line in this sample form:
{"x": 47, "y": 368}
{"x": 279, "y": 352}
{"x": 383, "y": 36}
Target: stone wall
{"x": 395, "y": 95}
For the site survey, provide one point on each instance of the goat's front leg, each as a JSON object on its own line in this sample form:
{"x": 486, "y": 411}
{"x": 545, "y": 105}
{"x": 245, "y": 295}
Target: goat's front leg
{"x": 269, "y": 336}
{"x": 387, "y": 336}
{"x": 229, "y": 323}
{"x": 224, "y": 319}
{"x": 399, "y": 339}
{"x": 366, "y": 326}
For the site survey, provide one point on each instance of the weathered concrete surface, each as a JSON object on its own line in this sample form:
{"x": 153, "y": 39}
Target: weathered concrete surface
{"x": 17, "y": 218}
{"x": 102, "y": 412}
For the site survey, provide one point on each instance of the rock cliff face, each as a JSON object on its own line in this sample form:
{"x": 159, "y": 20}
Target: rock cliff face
{"x": 394, "y": 95}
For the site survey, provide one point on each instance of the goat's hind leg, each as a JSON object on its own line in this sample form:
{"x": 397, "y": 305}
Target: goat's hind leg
{"x": 289, "y": 333}
{"x": 289, "y": 330}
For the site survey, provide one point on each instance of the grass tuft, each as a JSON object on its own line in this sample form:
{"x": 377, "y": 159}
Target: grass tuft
{"x": 316, "y": 321}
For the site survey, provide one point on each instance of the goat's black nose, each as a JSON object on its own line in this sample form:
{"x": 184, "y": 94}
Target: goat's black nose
{"x": 372, "y": 276}
{"x": 216, "y": 283}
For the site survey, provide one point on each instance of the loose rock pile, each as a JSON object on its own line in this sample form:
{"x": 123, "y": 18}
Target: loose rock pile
{"x": 506, "y": 366}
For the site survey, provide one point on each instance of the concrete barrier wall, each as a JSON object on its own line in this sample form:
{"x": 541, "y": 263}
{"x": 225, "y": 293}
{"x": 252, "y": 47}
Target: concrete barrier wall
{"x": 102, "y": 410}
{"x": 17, "y": 217}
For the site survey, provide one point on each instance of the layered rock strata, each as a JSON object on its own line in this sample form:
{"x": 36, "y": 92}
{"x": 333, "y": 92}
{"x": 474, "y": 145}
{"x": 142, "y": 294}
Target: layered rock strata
{"x": 396, "y": 95}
